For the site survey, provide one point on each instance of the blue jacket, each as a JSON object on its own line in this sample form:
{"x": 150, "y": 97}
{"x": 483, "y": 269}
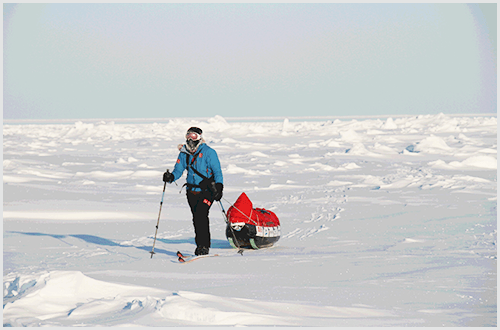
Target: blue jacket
{"x": 206, "y": 162}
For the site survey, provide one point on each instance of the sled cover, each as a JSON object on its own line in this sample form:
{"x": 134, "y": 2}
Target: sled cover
{"x": 243, "y": 212}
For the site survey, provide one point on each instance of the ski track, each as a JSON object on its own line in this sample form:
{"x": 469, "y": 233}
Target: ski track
{"x": 368, "y": 209}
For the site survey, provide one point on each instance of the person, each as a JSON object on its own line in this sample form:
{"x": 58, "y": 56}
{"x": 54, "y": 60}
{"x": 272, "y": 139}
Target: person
{"x": 204, "y": 183}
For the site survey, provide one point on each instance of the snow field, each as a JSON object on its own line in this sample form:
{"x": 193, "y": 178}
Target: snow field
{"x": 384, "y": 222}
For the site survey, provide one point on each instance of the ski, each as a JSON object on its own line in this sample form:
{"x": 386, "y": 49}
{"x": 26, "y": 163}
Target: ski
{"x": 189, "y": 258}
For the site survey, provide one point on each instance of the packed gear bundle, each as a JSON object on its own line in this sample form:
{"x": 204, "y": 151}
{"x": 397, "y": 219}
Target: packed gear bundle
{"x": 250, "y": 227}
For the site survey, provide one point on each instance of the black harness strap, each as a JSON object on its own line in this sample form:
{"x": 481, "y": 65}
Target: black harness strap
{"x": 189, "y": 165}
{"x": 195, "y": 170}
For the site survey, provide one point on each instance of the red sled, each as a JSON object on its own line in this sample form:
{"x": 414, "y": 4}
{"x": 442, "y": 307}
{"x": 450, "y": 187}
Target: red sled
{"x": 251, "y": 227}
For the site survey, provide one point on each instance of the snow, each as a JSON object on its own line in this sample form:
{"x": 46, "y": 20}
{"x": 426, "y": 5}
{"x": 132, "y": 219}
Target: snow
{"x": 384, "y": 221}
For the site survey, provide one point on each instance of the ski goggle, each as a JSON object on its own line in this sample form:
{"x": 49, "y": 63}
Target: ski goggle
{"x": 193, "y": 136}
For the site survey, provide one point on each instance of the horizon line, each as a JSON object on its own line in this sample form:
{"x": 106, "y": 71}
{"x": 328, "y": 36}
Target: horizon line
{"x": 242, "y": 118}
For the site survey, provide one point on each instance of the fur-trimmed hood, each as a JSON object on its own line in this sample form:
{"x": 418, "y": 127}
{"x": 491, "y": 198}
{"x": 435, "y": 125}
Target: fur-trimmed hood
{"x": 182, "y": 147}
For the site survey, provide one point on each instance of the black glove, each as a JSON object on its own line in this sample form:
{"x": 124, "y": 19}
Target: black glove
{"x": 218, "y": 191}
{"x": 168, "y": 177}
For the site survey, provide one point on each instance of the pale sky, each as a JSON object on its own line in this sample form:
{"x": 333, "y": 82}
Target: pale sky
{"x": 64, "y": 61}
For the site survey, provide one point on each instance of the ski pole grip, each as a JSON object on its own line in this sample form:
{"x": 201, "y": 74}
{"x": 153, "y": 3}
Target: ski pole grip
{"x": 168, "y": 171}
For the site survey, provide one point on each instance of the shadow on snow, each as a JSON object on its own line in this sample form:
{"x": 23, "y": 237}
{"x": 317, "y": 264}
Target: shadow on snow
{"x": 216, "y": 243}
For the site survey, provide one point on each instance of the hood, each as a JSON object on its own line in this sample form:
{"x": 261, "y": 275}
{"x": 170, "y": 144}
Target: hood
{"x": 183, "y": 148}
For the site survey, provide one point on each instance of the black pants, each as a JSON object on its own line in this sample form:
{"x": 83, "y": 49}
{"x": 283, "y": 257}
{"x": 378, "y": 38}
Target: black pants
{"x": 200, "y": 203}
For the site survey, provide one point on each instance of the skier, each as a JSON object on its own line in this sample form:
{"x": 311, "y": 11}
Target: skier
{"x": 204, "y": 183}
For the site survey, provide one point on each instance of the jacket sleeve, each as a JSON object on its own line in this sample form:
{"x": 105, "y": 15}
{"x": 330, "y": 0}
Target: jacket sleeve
{"x": 215, "y": 166}
{"x": 180, "y": 166}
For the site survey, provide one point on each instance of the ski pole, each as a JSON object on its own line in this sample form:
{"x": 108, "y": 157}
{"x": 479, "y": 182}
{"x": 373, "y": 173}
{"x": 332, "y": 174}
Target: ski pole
{"x": 240, "y": 250}
{"x": 158, "y": 222}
